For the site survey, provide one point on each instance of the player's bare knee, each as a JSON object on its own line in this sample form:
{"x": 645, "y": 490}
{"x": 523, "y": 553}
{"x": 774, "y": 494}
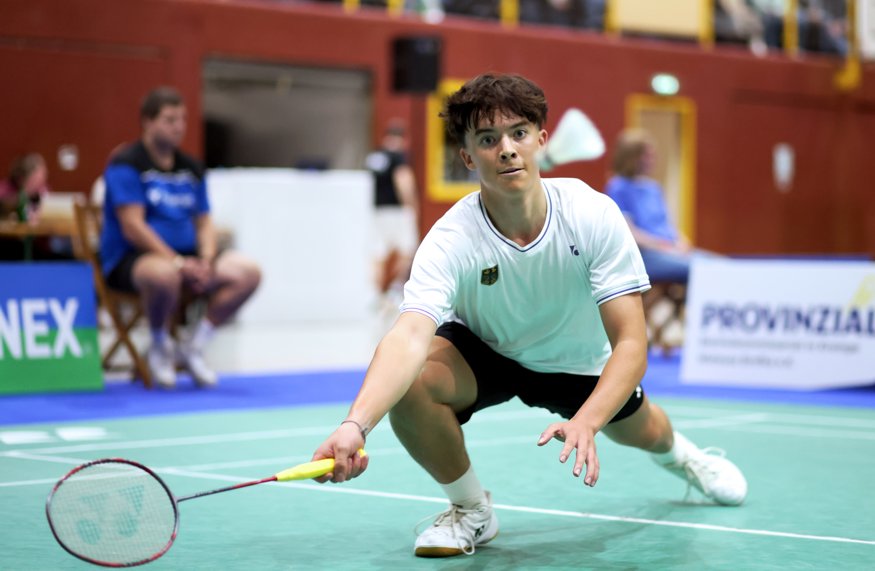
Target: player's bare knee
{"x": 422, "y": 392}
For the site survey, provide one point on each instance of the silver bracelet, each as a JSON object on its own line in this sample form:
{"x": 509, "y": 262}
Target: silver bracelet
{"x": 363, "y": 430}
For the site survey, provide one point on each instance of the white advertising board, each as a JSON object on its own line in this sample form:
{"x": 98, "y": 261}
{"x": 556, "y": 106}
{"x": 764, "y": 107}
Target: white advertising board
{"x": 866, "y": 27}
{"x": 789, "y": 324}
{"x": 310, "y": 233}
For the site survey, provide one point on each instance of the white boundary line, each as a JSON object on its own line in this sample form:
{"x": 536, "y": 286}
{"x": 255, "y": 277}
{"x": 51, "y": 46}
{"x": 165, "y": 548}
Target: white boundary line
{"x": 195, "y": 472}
{"x": 765, "y": 423}
{"x": 541, "y": 511}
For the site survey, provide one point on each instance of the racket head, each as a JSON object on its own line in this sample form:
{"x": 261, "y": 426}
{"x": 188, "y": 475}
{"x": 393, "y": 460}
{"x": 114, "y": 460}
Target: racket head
{"x": 113, "y": 512}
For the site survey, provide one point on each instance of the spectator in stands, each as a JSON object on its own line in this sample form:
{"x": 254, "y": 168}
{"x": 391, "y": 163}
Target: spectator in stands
{"x": 483, "y": 9}
{"x": 158, "y": 238}
{"x": 21, "y": 196}
{"x": 823, "y": 25}
{"x": 771, "y": 12}
{"x": 570, "y": 13}
{"x": 23, "y": 190}
{"x": 666, "y": 252}
{"x": 397, "y": 207}
{"x": 737, "y": 21}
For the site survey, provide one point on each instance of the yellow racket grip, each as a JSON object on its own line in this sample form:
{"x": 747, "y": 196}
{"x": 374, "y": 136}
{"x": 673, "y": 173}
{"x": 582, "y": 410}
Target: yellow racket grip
{"x": 310, "y": 469}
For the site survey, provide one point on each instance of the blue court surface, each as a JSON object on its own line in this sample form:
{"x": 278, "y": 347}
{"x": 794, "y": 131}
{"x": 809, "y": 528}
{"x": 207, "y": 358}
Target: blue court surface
{"x": 120, "y": 400}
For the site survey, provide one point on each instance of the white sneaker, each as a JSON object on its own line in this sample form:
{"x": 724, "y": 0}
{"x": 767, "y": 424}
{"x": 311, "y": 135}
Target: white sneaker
{"x": 162, "y": 366}
{"x": 192, "y": 360}
{"x": 458, "y": 530}
{"x": 710, "y": 472}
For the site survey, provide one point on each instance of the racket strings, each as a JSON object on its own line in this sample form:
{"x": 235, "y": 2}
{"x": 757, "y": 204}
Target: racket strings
{"x": 114, "y": 513}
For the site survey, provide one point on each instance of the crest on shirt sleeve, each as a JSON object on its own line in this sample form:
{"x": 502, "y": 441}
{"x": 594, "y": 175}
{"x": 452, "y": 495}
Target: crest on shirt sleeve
{"x": 489, "y": 276}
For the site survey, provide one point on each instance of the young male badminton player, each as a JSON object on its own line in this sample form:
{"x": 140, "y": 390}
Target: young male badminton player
{"x": 532, "y": 288}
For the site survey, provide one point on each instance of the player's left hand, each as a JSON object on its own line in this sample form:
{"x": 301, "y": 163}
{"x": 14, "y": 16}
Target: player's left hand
{"x": 579, "y": 438}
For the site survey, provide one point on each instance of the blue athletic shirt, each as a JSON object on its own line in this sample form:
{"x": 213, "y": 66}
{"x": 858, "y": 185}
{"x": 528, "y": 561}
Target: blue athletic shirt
{"x": 641, "y": 200}
{"x": 172, "y": 200}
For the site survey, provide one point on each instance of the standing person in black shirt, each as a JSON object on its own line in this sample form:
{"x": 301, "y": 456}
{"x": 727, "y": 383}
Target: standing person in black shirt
{"x": 396, "y": 203}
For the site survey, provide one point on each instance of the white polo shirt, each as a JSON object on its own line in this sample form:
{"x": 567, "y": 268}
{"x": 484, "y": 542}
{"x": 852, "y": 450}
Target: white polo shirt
{"x": 536, "y": 304}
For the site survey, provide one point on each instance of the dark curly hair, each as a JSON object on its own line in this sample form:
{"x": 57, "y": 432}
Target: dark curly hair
{"x": 491, "y": 93}
{"x": 158, "y": 99}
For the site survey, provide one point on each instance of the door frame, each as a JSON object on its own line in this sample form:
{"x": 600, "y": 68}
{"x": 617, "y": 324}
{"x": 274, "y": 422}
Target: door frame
{"x": 685, "y": 109}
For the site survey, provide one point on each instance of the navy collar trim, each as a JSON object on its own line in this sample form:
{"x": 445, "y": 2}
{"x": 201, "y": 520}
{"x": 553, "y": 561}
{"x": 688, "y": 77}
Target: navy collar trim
{"x": 511, "y": 243}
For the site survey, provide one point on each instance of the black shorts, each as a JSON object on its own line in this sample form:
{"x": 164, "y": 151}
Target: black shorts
{"x": 121, "y": 276}
{"x": 499, "y": 379}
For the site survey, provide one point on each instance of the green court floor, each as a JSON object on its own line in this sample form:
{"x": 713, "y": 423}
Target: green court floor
{"x": 810, "y": 470}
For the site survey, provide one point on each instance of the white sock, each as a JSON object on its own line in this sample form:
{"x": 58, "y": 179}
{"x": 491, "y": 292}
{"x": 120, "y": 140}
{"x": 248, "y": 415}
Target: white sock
{"x": 159, "y": 335}
{"x": 203, "y": 333}
{"x": 466, "y": 491}
{"x": 679, "y": 452}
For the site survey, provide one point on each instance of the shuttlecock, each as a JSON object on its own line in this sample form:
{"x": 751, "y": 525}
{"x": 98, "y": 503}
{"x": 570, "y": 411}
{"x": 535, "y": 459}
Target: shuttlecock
{"x": 576, "y": 139}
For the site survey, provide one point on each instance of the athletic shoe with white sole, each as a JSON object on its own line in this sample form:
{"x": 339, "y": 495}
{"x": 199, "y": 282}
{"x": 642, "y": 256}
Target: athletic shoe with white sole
{"x": 162, "y": 366}
{"x": 191, "y": 358}
{"x": 458, "y": 530}
{"x": 710, "y": 472}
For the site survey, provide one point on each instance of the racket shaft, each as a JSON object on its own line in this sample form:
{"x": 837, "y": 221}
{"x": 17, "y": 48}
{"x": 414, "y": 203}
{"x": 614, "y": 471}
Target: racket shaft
{"x": 304, "y": 471}
{"x": 226, "y": 489}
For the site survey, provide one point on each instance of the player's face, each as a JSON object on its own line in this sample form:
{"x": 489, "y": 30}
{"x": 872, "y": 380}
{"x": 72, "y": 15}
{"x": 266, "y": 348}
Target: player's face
{"x": 504, "y": 151}
{"x": 648, "y": 159}
{"x": 168, "y": 128}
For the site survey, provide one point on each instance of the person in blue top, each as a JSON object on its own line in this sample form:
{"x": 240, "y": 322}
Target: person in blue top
{"x": 158, "y": 238}
{"x": 665, "y": 251}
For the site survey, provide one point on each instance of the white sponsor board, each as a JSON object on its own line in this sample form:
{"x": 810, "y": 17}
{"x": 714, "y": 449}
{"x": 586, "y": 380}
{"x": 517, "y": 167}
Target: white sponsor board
{"x": 866, "y": 27}
{"x": 780, "y": 324}
{"x": 310, "y": 233}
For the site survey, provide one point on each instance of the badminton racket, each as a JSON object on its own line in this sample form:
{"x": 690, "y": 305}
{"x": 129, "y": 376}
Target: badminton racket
{"x": 118, "y": 513}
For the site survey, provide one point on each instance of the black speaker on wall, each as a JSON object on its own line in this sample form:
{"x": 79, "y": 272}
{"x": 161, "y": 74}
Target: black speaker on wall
{"x": 416, "y": 64}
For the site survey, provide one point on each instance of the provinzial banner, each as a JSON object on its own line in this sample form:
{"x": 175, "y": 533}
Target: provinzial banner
{"x": 790, "y": 324}
{"x": 48, "y": 328}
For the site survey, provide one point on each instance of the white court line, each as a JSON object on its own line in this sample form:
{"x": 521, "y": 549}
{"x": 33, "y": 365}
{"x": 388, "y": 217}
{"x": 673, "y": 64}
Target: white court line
{"x": 381, "y": 452}
{"x": 805, "y": 419}
{"x": 189, "y": 472}
{"x": 804, "y": 432}
{"x": 183, "y": 440}
{"x": 740, "y": 423}
{"x": 274, "y": 461}
{"x": 541, "y": 511}
{"x": 29, "y": 483}
{"x": 731, "y": 419}
{"x": 56, "y": 459}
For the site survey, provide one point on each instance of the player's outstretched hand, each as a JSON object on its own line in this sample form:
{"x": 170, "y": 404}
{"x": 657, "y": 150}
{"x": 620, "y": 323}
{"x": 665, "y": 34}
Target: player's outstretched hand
{"x": 343, "y": 445}
{"x": 578, "y": 438}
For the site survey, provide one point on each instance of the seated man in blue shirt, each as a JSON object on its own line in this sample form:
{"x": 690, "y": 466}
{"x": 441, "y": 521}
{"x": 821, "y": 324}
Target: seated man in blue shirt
{"x": 158, "y": 238}
{"x": 666, "y": 253}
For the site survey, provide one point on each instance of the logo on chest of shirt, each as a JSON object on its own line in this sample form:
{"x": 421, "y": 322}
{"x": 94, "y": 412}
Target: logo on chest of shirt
{"x": 158, "y": 196}
{"x": 489, "y": 276}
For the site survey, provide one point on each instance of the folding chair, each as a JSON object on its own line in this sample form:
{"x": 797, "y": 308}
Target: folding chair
{"x": 664, "y": 306}
{"x": 89, "y": 219}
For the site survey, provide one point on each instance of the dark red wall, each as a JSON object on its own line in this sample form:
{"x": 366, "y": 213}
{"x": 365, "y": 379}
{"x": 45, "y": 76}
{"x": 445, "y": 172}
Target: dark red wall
{"x": 75, "y": 71}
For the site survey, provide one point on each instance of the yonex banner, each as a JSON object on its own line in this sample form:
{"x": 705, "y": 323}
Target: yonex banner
{"x": 48, "y": 328}
{"x": 780, "y": 324}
